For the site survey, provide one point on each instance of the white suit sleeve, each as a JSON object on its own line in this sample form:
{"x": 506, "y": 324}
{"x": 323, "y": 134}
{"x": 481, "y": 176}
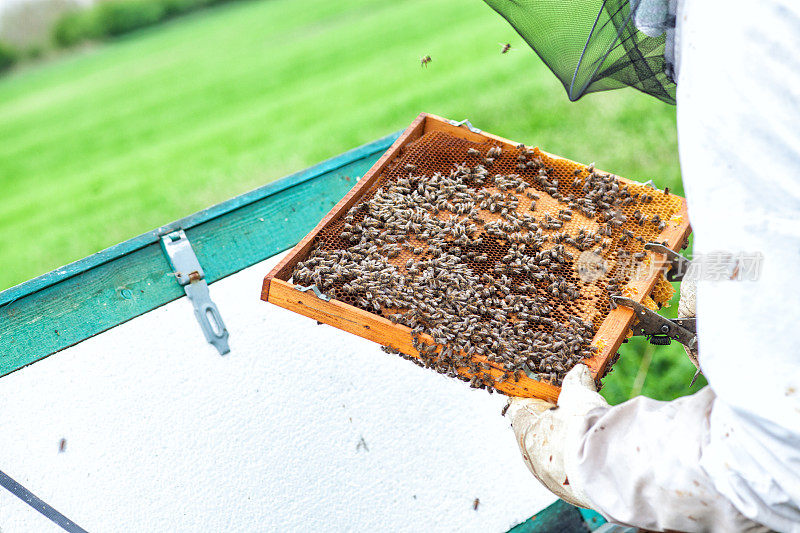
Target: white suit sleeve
{"x": 732, "y": 451}
{"x": 739, "y": 139}
{"x": 639, "y": 465}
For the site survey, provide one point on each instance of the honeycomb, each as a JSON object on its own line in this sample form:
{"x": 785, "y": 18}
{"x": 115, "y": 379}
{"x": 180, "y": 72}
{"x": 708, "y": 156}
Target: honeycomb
{"x": 662, "y": 294}
{"x": 607, "y": 234}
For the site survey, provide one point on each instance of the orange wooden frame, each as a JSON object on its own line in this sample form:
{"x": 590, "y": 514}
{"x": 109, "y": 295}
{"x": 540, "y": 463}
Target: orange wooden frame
{"x": 279, "y": 291}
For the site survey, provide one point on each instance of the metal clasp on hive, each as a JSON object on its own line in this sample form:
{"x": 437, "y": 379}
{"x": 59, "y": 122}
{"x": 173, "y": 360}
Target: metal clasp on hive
{"x": 191, "y": 277}
{"x": 466, "y": 123}
{"x": 656, "y": 328}
{"x": 315, "y": 289}
{"x": 678, "y": 265}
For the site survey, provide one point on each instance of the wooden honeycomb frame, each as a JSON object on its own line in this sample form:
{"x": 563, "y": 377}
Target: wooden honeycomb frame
{"x": 278, "y": 290}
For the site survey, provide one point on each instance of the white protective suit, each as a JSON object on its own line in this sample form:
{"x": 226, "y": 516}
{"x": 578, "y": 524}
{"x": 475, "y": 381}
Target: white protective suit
{"x": 730, "y": 453}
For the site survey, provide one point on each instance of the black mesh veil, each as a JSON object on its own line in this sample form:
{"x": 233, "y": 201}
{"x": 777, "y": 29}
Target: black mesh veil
{"x": 591, "y": 45}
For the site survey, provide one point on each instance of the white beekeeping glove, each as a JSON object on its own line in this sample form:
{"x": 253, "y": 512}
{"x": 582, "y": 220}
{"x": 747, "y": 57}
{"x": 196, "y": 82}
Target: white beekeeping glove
{"x": 548, "y": 434}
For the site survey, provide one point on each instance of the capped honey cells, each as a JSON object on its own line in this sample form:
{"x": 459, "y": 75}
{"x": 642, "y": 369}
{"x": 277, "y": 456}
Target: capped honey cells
{"x": 501, "y": 252}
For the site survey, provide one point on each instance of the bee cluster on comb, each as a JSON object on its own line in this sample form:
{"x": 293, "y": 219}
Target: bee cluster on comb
{"x": 503, "y": 256}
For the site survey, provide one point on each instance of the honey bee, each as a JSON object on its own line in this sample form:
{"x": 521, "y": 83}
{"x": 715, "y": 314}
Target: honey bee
{"x": 506, "y": 47}
{"x": 473, "y": 151}
{"x": 424, "y": 60}
{"x": 494, "y": 151}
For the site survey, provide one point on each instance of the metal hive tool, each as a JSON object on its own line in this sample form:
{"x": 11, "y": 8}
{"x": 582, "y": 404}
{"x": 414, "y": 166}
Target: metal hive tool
{"x": 608, "y": 237}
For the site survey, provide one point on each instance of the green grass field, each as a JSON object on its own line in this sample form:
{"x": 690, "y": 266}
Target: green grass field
{"x": 112, "y": 141}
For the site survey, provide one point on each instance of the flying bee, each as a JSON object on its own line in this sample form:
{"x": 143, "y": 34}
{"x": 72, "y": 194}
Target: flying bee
{"x": 424, "y": 60}
{"x": 506, "y": 48}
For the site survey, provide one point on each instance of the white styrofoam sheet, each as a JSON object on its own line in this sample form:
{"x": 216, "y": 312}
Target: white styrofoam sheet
{"x": 301, "y": 426}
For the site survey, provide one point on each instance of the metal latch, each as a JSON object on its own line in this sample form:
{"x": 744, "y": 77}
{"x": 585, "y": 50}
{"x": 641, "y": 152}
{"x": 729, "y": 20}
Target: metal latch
{"x": 657, "y": 329}
{"x": 316, "y": 291}
{"x": 678, "y": 265}
{"x": 466, "y": 123}
{"x": 190, "y": 276}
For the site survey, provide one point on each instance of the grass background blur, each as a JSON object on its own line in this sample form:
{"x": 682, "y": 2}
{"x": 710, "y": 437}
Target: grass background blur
{"x": 110, "y": 141}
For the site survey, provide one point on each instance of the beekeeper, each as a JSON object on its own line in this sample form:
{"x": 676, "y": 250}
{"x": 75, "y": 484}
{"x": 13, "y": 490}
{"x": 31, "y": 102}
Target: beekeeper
{"x": 728, "y": 457}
